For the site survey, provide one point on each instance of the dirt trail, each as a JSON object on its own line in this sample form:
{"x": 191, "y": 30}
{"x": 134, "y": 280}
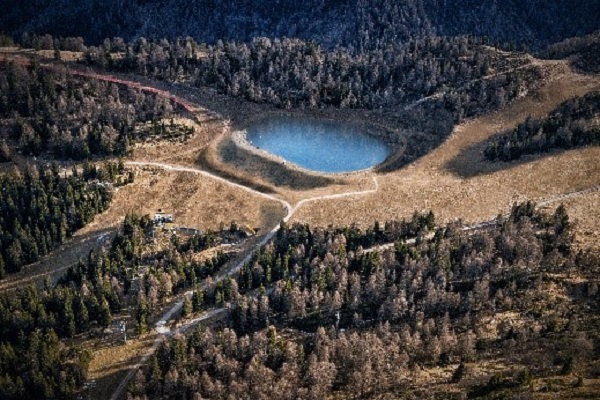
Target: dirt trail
{"x": 160, "y": 326}
{"x": 429, "y": 183}
{"x": 180, "y": 168}
{"x": 456, "y": 182}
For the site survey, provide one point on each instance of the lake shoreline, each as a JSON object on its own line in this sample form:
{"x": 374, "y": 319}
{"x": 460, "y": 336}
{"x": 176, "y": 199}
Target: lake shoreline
{"x": 240, "y": 141}
{"x": 314, "y": 144}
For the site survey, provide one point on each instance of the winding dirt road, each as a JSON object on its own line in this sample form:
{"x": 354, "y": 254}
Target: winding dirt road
{"x": 161, "y": 326}
{"x": 290, "y": 210}
{"x": 162, "y": 330}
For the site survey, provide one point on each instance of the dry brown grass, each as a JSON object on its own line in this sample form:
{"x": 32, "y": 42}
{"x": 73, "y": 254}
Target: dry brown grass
{"x": 194, "y": 200}
{"x": 110, "y": 364}
{"x": 584, "y": 211}
{"x": 64, "y": 55}
{"x": 15, "y": 52}
{"x": 455, "y": 182}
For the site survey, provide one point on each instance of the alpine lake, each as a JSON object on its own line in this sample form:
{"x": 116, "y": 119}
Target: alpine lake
{"x": 317, "y": 144}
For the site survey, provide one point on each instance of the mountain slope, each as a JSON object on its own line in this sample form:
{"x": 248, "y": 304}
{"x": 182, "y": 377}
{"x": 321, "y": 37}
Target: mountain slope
{"x": 371, "y": 23}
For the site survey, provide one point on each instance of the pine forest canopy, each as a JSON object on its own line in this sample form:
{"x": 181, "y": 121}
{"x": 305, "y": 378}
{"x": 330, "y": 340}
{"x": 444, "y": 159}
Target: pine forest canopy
{"x": 363, "y": 24}
{"x": 315, "y": 312}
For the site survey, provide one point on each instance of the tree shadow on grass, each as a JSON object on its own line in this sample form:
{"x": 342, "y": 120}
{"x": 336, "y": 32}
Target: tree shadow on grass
{"x": 105, "y": 386}
{"x": 210, "y": 167}
{"x": 470, "y": 162}
{"x": 268, "y": 171}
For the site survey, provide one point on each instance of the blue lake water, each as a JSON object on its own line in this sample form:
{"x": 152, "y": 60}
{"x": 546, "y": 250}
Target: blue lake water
{"x": 318, "y": 145}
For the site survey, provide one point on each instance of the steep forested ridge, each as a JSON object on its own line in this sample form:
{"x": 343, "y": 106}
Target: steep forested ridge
{"x": 461, "y": 75}
{"x": 40, "y": 210}
{"x": 359, "y": 23}
{"x": 75, "y": 118}
{"x": 89, "y": 297}
{"x": 33, "y": 362}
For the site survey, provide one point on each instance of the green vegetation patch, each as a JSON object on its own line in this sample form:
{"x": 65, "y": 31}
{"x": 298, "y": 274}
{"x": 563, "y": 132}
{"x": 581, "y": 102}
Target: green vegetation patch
{"x": 574, "y": 123}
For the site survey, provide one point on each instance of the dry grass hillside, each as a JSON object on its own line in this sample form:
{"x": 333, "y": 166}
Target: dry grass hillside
{"x": 453, "y": 180}
{"x": 456, "y": 182}
{"x": 195, "y": 201}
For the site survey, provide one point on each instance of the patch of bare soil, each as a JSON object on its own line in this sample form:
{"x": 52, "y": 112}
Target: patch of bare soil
{"x": 456, "y": 182}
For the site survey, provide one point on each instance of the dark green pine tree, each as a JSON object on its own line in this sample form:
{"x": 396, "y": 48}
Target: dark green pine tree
{"x": 15, "y": 257}
{"x": 141, "y": 325}
{"x": 561, "y": 220}
{"x": 155, "y": 372}
{"x": 67, "y": 319}
{"x": 187, "y": 308}
{"x": 81, "y": 314}
{"x": 105, "y": 316}
{"x": 197, "y": 299}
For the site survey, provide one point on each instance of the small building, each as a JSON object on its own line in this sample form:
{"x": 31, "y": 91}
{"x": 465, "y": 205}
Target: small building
{"x": 161, "y": 218}
{"x": 189, "y": 231}
{"x": 248, "y": 230}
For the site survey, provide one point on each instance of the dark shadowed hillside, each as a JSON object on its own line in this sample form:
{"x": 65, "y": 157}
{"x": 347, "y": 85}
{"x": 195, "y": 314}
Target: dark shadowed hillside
{"x": 361, "y": 23}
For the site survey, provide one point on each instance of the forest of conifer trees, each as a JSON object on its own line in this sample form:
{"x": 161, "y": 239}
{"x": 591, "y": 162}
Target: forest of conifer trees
{"x": 573, "y": 124}
{"x": 403, "y": 308}
{"x": 333, "y": 319}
